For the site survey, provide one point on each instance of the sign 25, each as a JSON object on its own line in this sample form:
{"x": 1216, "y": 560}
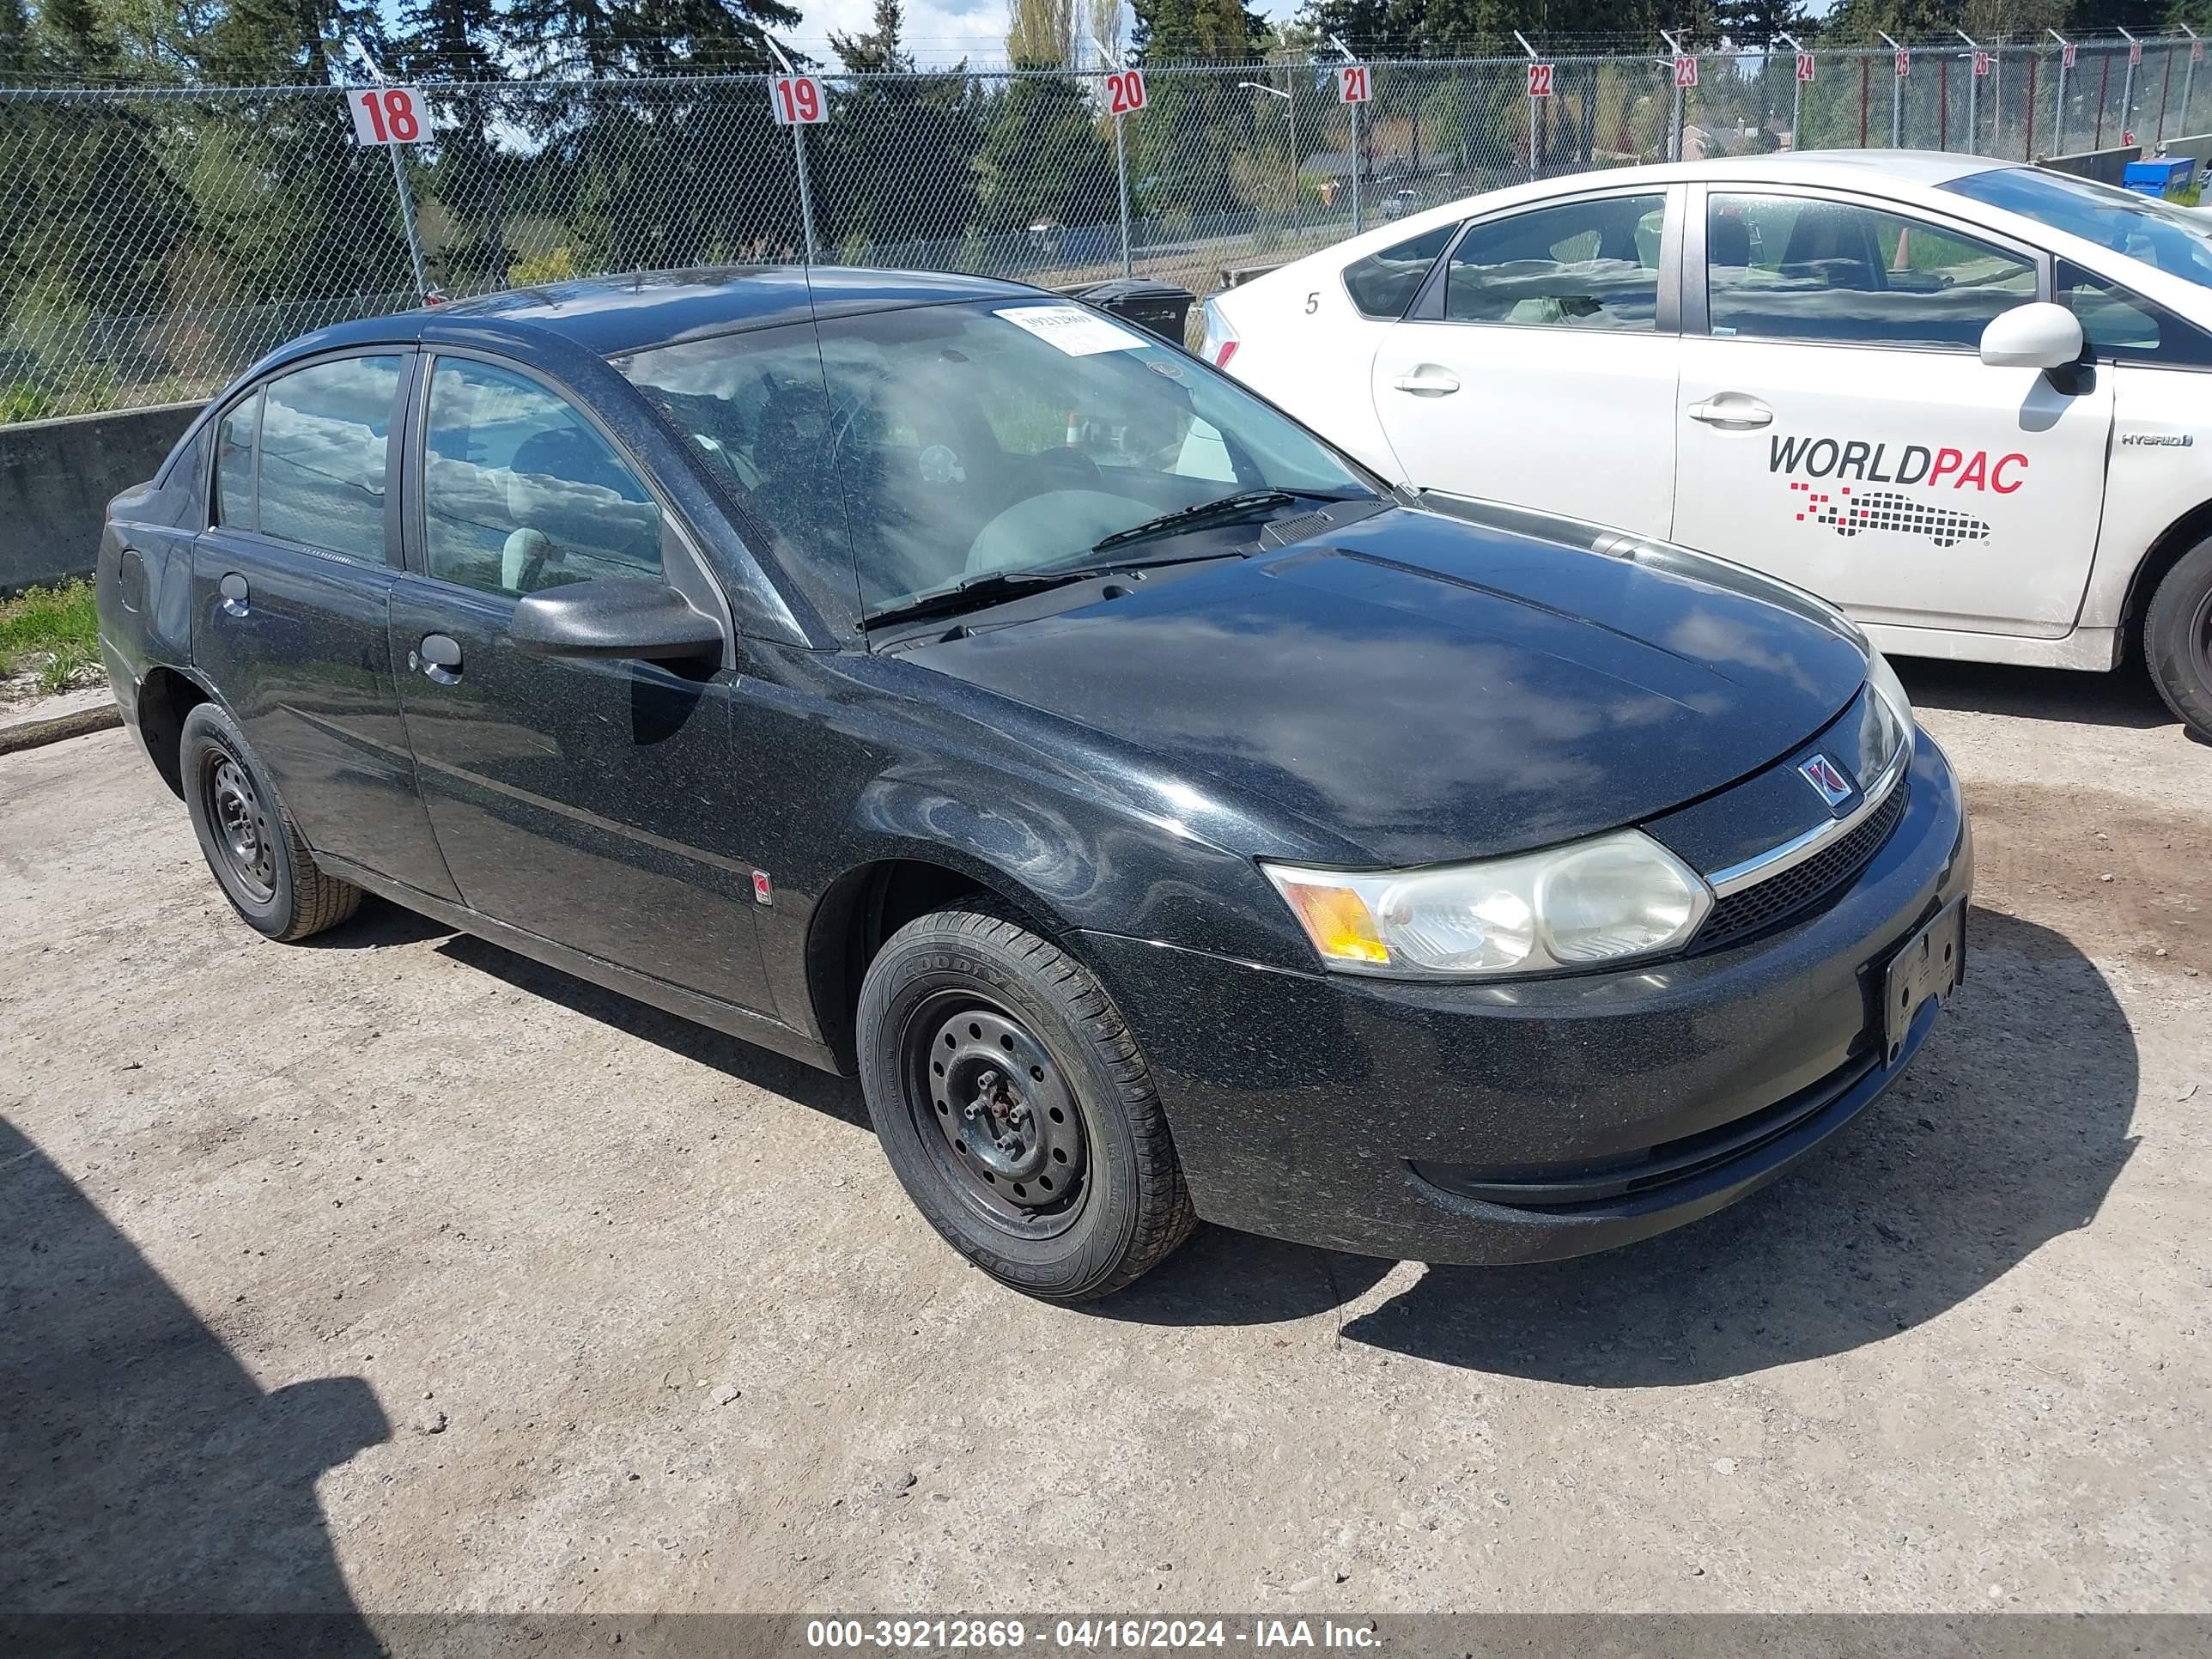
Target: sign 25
{"x": 1125, "y": 91}
{"x": 387, "y": 115}
{"x": 796, "y": 101}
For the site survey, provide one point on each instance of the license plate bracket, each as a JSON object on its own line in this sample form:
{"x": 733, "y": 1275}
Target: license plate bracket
{"x": 1929, "y": 964}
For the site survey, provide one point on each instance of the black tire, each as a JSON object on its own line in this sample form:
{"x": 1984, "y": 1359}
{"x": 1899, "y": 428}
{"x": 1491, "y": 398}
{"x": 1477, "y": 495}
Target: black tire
{"x": 248, "y": 839}
{"x": 961, "y": 987}
{"x": 2177, "y": 639}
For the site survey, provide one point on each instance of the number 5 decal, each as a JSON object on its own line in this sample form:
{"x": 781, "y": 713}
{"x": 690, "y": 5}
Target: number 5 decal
{"x": 1313, "y": 302}
{"x": 1125, "y": 91}
{"x": 386, "y": 115}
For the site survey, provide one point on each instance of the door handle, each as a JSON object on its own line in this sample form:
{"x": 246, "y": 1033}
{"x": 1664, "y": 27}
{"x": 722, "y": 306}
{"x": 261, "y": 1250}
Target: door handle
{"x": 1732, "y": 411}
{"x": 1428, "y": 382}
{"x": 233, "y": 590}
{"x": 439, "y": 656}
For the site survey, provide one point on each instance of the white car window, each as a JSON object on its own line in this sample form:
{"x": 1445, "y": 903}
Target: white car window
{"x": 1580, "y": 265}
{"x": 2121, "y": 324}
{"x": 1384, "y": 282}
{"x": 1799, "y": 268}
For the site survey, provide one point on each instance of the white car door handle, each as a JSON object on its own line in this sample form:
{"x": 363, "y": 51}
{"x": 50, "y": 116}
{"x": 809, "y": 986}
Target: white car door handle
{"x": 1427, "y": 382}
{"x": 1733, "y": 411}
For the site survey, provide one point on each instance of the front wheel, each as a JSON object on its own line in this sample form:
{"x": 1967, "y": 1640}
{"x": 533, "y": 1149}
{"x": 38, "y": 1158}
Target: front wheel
{"x": 2177, "y": 639}
{"x": 1015, "y": 1107}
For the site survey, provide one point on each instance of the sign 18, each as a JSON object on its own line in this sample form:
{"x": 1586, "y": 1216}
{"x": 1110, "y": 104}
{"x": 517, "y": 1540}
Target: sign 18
{"x": 796, "y": 101}
{"x": 1125, "y": 91}
{"x": 387, "y": 115}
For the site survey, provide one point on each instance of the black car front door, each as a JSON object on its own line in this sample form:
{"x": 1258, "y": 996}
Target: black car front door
{"x": 290, "y": 582}
{"x": 586, "y": 801}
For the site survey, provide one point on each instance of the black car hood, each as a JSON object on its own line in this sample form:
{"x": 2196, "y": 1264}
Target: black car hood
{"x": 1421, "y": 689}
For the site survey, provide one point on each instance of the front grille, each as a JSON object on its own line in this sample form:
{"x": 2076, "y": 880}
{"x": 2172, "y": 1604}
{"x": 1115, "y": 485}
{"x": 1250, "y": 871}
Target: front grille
{"x": 1781, "y": 897}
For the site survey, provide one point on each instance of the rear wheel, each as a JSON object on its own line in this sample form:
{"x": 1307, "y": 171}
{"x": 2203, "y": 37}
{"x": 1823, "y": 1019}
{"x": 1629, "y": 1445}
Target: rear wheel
{"x": 2177, "y": 639}
{"x": 249, "y": 840}
{"x": 1015, "y": 1108}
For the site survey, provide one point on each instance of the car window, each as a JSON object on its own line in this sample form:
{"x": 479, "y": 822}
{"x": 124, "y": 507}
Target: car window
{"x": 325, "y": 432}
{"x": 1580, "y": 265}
{"x": 2164, "y": 236}
{"x": 960, "y": 440}
{"x": 1798, "y": 268}
{"x": 1384, "y": 284}
{"x": 2117, "y": 323}
{"x": 233, "y": 464}
{"x": 521, "y": 493}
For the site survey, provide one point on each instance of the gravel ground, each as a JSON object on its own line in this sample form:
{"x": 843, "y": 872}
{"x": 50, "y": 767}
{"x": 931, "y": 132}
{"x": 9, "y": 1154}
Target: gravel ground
{"x": 399, "y": 1273}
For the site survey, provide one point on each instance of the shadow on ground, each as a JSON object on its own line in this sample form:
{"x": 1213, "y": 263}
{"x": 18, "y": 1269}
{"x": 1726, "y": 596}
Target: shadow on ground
{"x": 142, "y": 1468}
{"x": 2124, "y": 697}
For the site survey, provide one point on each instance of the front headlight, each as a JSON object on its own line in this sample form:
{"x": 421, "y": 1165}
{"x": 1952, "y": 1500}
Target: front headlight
{"x": 1608, "y": 899}
{"x": 1891, "y": 690}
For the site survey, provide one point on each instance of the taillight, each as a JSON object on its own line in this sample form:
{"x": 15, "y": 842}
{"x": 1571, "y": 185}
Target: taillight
{"x": 1220, "y": 343}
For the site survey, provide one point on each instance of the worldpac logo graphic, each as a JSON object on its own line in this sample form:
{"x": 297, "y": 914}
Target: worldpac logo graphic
{"x": 1888, "y": 510}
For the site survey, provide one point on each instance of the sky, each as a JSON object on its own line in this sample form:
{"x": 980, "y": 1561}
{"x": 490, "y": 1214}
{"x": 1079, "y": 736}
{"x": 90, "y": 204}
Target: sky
{"x": 939, "y": 31}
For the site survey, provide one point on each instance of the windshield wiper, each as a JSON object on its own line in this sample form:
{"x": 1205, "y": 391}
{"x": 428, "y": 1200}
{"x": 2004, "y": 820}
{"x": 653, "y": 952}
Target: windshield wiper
{"x": 977, "y": 592}
{"x": 1228, "y": 508}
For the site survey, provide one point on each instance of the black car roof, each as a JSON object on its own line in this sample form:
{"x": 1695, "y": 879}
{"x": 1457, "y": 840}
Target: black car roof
{"x": 608, "y": 316}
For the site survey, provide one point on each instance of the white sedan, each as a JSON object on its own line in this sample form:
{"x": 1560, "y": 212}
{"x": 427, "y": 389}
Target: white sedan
{"x": 1969, "y": 402}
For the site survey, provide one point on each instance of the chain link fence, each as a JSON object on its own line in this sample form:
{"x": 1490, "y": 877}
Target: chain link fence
{"x": 155, "y": 242}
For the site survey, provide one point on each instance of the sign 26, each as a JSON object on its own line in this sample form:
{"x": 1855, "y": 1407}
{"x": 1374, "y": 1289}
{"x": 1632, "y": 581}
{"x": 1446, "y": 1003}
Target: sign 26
{"x": 1539, "y": 80}
{"x": 796, "y": 101}
{"x": 1125, "y": 91}
{"x": 1352, "y": 85}
{"x": 387, "y": 115}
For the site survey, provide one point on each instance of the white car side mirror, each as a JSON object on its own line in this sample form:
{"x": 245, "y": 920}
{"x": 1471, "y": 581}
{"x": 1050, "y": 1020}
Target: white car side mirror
{"x": 2040, "y": 335}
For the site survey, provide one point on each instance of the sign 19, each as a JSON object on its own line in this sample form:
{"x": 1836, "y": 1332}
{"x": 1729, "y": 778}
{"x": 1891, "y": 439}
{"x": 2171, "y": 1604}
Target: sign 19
{"x": 1125, "y": 91}
{"x": 1353, "y": 86}
{"x": 796, "y": 101}
{"x": 387, "y": 115}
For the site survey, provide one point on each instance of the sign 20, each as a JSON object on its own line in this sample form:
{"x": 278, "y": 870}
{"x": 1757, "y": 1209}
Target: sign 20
{"x": 387, "y": 115}
{"x": 1125, "y": 91}
{"x": 796, "y": 101}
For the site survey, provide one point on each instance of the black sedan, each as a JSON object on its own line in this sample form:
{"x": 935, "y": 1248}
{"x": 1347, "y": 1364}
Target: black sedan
{"x": 935, "y": 679}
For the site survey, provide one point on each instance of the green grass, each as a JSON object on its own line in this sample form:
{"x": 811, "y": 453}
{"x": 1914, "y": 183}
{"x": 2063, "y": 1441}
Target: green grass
{"x": 54, "y": 631}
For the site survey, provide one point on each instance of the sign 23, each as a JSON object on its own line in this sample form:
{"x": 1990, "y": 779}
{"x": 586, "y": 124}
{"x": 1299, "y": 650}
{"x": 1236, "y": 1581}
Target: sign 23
{"x": 1125, "y": 91}
{"x": 796, "y": 101}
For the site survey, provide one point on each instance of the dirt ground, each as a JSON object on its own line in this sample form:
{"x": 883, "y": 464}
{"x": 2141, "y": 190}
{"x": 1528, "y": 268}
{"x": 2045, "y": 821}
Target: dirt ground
{"x": 397, "y": 1273}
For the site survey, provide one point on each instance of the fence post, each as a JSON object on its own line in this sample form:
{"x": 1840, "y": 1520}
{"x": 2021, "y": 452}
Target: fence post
{"x": 2164, "y": 93}
{"x": 1674, "y": 124}
{"x": 2128, "y": 88}
{"x": 1973, "y": 89}
{"x": 1531, "y": 100}
{"x": 1796, "y": 87}
{"x": 2059, "y": 113}
{"x": 2187, "y": 77}
{"x": 1121, "y": 174}
{"x": 2028, "y": 144}
{"x": 1896, "y": 95}
{"x": 398, "y": 182}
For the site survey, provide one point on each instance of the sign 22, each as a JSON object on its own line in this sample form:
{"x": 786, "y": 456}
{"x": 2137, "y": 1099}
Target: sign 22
{"x": 1125, "y": 91}
{"x": 796, "y": 101}
{"x": 1539, "y": 80}
{"x": 387, "y": 115}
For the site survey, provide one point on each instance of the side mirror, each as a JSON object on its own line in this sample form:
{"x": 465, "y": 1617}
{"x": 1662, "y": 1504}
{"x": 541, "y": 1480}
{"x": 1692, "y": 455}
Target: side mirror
{"x": 2040, "y": 335}
{"x": 615, "y": 616}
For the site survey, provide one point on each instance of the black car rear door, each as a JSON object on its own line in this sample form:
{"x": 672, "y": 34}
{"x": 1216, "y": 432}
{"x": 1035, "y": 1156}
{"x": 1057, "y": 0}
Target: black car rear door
{"x": 588, "y": 801}
{"x": 290, "y": 583}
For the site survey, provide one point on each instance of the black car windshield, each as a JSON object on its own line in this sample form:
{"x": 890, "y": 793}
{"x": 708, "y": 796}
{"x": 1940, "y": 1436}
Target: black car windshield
{"x": 962, "y": 440}
{"x": 2175, "y": 239}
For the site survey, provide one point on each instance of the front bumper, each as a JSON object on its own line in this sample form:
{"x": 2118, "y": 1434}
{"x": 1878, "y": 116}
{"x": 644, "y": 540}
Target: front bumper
{"x": 1367, "y": 1114}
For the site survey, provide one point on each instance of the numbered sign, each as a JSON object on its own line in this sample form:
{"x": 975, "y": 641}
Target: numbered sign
{"x": 1125, "y": 91}
{"x": 1804, "y": 66}
{"x": 1686, "y": 71}
{"x": 1981, "y": 62}
{"x": 1539, "y": 80}
{"x": 2066, "y": 57}
{"x": 796, "y": 101}
{"x": 387, "y": 115}
{"x": 2134, "y": 51}
{"x": 2195, "y": 51}
{"x": 1903, "y": 65}
{"x": 1352, "y": 85}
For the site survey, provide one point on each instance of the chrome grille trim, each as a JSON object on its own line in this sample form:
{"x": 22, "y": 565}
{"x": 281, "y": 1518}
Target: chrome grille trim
{"x": 1772, "y": 862}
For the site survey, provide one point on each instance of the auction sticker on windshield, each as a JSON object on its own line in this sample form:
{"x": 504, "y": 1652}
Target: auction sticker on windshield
{"x": 1078, "y": 333}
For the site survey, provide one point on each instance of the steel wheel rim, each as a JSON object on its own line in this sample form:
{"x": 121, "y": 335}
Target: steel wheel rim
{"x": 2200, "y": 642}
{"x": 995, "y": 1114}
{"x": 241, "y": 821}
